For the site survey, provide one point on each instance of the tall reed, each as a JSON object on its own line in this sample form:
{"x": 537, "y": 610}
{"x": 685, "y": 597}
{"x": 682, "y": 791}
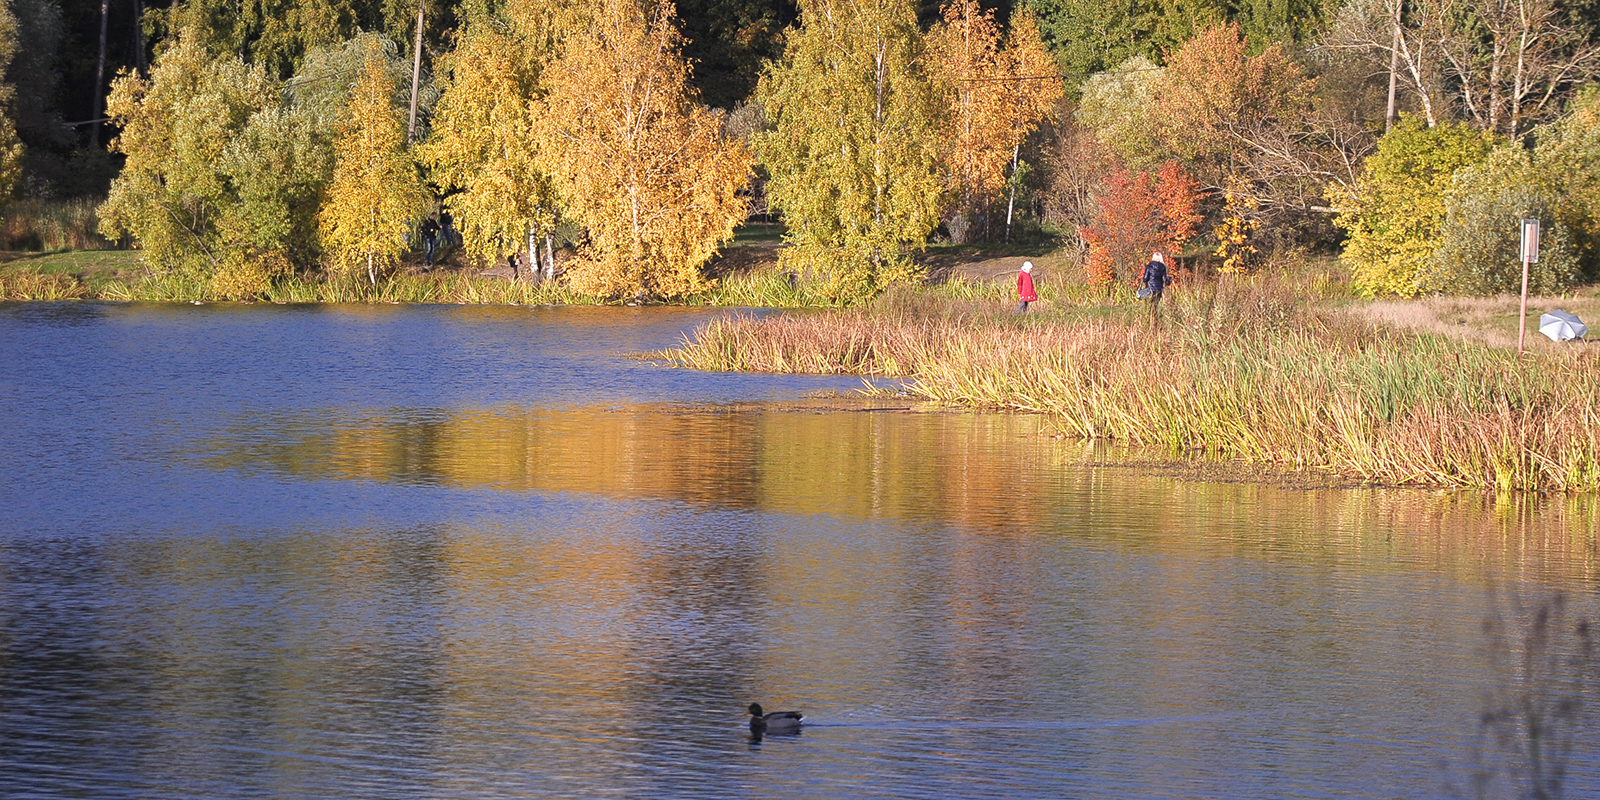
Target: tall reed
{"x": 442, "y": 287}
{"x": 31, "y": 284}
{"x": 51, "y": 225}
{"x": 1240, "y": 369}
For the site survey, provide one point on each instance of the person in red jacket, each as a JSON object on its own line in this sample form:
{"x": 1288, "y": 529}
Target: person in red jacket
{"x": 1025, "y": 292}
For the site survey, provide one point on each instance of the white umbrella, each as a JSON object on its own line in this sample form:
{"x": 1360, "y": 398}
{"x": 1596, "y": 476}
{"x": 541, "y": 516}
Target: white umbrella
{"x": 1561, "y": 326}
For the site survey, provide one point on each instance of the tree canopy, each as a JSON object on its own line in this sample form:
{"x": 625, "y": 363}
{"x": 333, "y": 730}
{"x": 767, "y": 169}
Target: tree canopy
{"x": 853, "y": 152}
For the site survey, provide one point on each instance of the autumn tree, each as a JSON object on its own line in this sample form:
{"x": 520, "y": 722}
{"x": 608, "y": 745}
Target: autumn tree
{"x": 376, "y": 193}
{"x": 994, "y": 96}
{"x": 482, "y": 143}
{"x": 1214, "y": 97}
{"x": 1139, "y": 213}
{"x": 853, "y": 151}
{"x": 10, "y": 144}
{"x": 177, "y": 126}
{"x": 636, "y": 160}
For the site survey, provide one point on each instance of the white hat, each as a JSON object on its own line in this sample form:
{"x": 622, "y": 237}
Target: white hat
{"x": 1027, "y": 266}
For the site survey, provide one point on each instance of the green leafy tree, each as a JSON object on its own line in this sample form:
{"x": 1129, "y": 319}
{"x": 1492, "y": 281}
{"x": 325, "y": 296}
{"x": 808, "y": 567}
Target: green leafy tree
{"x": 1090, "y": 36}
{"x": 227, "y": 168}
{"x": 177, "y": 127}
{"x": 728, "y": 41}
{"x": 1480, "y": 242}
{"x": 1395, "y": 220}
{"x": 853, "y": 151}
{"x": 277, "y": 35}
{"x": 1118, "y": 106}
{"x": 1567, "y": 168}
{"x": 376, "y": 194}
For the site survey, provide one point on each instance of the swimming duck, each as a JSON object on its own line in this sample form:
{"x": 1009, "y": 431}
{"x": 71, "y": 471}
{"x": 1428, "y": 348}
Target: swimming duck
{"x": 776, "y": 722}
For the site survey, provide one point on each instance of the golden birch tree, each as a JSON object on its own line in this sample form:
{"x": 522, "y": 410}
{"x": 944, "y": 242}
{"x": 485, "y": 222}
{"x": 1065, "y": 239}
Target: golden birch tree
{"x": 640, "y": 164}
{"x": 482, "y": 139}
{"x": 993, "y": 95}
{"x": 376, "y": 194}
{"x": 10, "y": 143}
{"x": 853, "y": 151}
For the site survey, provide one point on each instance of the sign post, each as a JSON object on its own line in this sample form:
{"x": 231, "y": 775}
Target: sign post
{"x": 1530, "y": 255}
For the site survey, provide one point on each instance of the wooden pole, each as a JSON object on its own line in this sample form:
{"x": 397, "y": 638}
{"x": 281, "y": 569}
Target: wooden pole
{"x": 1530, "y": 255}
{"x": 416, "y": 76}
{"x": 1522, "y": 319}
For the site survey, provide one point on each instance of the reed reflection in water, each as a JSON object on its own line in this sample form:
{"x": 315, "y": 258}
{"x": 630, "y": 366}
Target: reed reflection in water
{"x": 961, "y": 606}
{"x": 326, "y": 552}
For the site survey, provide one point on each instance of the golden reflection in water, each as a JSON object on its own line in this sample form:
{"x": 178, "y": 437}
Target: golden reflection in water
{"x": 992, "y": 474}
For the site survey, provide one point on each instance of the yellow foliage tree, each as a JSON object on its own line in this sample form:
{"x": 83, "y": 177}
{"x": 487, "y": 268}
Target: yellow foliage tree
{"x": 994, "y": 96}
{"x": 637, "y": 161}
{"x": 853, "y": 152}
{"x": 10, "y": 143}
{"x": 482, "y": 140}
{"x": 177, "y": 127}
{"x": 376, "y": 194}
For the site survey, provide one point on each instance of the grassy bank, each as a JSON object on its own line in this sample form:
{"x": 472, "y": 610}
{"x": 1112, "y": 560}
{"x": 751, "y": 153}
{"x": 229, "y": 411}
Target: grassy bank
{"x": 1253, "y": 369}
{"x": 120, "y": 275}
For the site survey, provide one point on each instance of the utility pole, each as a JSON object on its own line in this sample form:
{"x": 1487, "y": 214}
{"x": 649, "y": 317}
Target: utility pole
{"x": 1394, "y": 68}
{"x": 99, "y": 79}
{"x": 416, "y": 75}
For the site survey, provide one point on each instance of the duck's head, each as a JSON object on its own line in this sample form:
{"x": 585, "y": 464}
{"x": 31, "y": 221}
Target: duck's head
{"x": 755, "y": 710}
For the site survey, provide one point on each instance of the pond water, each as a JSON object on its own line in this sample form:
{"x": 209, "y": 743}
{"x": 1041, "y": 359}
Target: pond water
{"x": 441, "y": 552}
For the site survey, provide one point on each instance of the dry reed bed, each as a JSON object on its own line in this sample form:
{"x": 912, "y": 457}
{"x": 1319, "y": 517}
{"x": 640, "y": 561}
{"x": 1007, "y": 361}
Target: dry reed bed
{"x": 1251, "y": 377}
{"x": 35, "y": 285}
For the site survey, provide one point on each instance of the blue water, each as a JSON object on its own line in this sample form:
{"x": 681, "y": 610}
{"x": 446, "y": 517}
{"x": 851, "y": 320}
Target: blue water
{"x": 305, "y": 552}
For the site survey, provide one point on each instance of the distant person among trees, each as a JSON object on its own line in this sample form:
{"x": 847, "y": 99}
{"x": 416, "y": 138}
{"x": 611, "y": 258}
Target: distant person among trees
{"x": 447, "y": 229}
{"x": 430, "y": 238}
{"x": 1025, "y": 292}
{"x": 1154, "y": 282}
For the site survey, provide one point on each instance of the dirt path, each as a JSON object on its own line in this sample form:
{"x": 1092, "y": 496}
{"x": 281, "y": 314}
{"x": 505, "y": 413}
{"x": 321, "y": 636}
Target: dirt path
{"x": 1492, "y": 320}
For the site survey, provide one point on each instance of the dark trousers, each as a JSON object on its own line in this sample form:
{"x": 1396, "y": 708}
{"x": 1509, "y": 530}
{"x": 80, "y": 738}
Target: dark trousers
{"x": 1022, "y": 307}
{"x": 431, "y": 245}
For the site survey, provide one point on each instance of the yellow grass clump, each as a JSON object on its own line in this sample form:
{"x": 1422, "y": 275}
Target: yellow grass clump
{"x": 1240, "y": 369}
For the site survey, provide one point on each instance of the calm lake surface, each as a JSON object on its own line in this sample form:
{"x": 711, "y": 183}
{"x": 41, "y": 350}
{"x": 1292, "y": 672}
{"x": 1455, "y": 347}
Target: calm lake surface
{"x": 441, "y": 552}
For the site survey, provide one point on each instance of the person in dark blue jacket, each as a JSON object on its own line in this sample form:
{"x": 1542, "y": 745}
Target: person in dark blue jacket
{"x": 1154, "y": 282}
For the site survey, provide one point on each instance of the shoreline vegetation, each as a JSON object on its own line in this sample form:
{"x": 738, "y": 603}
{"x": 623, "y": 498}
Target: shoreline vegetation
{"x": 1284, "y": 369}
{"x": 1250, "y": 368}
